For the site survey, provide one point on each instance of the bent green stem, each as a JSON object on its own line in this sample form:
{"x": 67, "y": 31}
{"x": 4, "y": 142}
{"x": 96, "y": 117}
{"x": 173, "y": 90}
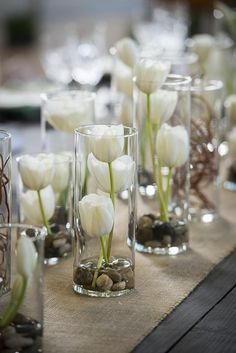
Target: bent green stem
{"x": 14, "y": 305}
{"x": 102, "y": 256}
{"x": 45, "y": 221}
{"x": 157, "y": 178}
{"x": 112, "y": 196}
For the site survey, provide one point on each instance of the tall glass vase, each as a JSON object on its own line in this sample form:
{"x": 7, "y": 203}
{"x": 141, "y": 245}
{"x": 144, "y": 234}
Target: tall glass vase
{"x": 5, "y": 208}
{"x": 163, "y": 114}
{"x": 105, "y": 159}
{"x": 206, "y": 113}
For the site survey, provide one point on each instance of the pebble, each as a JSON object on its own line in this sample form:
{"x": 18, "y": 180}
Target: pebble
{"x": 8, "y": 332}
{"x": 17, "y": 341}
{"x": 104, "y": 282}
{"x": 153, "y": 244}
{"x": 64, "y": 249}
{"x": 118, "y": 286}
{"x": 128, "y": 277}
{"x": 145, "y": 221}
{"x": 83, "y": 276}
{"x": 166, "y": 241}
{"x": 113, "y": 274}
{"x": 20, "y": 319}
{"x": 58, "y": 243}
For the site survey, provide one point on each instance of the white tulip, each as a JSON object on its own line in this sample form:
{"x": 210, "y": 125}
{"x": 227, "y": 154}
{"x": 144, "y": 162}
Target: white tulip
{"x": 96, "y": 215}
{"x": 123, "y": 79}
{"x": 30, "y": 205}
{"x": 62, "y": 172}
{"x": 36, "y": 171}
{"x": 162, "y": 106}
{"x": 230, "y": 108}
{"x": 67, "y": 114}
{"x": 172, "y": 145}
{"x": 123, "y": 173}
{"x": 107, "y": 142}
{"x": 232, "y": 142}
{"x": 127, "y": 51}
{"x": 26, "y": 256}
{"x": 150, "y": 74}
{"x": 202, "y": 44}
{"x": 126, "y": 112}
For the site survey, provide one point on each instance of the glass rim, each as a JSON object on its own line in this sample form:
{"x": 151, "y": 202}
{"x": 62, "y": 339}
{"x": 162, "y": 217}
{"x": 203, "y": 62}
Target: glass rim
{"x": 180, "y": 80}
{"x": 4, "y": 135}
{"x": 80, "y": 130}
{"x": 41, "y": 231}
{"x": 206, "y": 85}
{"x": 86, "y": 95}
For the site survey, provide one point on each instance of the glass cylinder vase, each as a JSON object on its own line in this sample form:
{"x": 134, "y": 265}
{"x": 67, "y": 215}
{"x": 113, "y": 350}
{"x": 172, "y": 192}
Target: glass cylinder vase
{"x": 5, "y": 208}
{"x": 164, "y": 116}
{"x": 45, "y": 198}
{"x": 61, "y": 113}
{"x": 206, "y": 114}
{"x": 105, "y": 159}
{"x": 21, "y": 309}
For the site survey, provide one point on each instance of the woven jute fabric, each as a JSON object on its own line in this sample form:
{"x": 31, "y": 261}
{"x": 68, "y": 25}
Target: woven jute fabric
{"x": 75, "y": 323}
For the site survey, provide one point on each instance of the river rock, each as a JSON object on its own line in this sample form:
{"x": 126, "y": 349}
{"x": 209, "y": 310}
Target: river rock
{"x": 104, "y": 282}
{"x": 113, "y": 274}
{"x": 83, "y": 276}
{"x": 118, "y": 286}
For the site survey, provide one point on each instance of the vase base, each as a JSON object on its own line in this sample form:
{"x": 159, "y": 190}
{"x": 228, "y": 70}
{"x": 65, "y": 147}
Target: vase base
{"x": 113, "y": 279}
{"x": 93, "y": 293}
{"x": 172, "y": 250}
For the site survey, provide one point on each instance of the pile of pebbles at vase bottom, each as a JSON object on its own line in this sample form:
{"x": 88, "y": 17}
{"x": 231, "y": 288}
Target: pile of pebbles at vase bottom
{"x": 108, "y": 279}
{"x": 22, "y": 335}
{"x": 151, "y": 232}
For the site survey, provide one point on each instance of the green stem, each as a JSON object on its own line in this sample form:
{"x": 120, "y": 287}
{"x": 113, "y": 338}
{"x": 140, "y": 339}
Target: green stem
{"x": 102, "y": 256}
{"x": 112, "y": 196}
{"x": 45, "y": 221}
{"x": 167, "y": 195}
{"x": 14, "y": 305}
{"x": 157, "y": 178}
{"x": 84, "y": 188}
{"x": 143, "y": 144}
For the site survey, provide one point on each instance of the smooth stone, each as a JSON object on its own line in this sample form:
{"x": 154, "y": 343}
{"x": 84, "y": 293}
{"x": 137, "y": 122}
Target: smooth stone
{"x": 119, "y": 286}
{"x": 143, "y": 235}
{"x": 113, "y": 274}
{"x": 18, "y": 341}
{"x": 166, "y": 241}
{"x": 55, "y": 228}
{"x": 64, "y": 249}
{"x": 153, "y": 244}
{"x": 145, "y": 222}
{"x": 58, "y": 243}
{"x": 128, "y": 277}
{"x": 83, "y": 276}
{"x": 8, "y": 332}
{"x": 104, "y": 282}
{"x": 20, "y": 319}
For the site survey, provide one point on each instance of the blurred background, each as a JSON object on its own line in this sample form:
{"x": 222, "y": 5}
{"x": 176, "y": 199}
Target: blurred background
{"x": 49, "y": 44}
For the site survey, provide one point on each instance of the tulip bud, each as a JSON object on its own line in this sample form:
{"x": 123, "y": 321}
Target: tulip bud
{"x": 96, "y": 215}
{"x": 36, "y": 172}
{"x": 127, "y": 51}
{"x": 123, "y": 173}
{"x": 26, "y": 256}
{"x": 202, "y": 44}
{"x": 232, "y": 142}
{"x": 163, "y": 104}
{"x": 107, "y": 142}
{"x": 150, "y": 74}
{"x": 67, "y": 113}
{"x": 230, "y": 108}
{"x": 124, "y": 80}
{"x": 30, "y": 205}
{"x": 172, "y": 145}
{"x": 62, "y": 172}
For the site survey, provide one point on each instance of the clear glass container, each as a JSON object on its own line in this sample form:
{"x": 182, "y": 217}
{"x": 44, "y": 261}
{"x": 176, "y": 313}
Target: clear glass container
{"x": 5, "y": 207}
{"x": 105, "y": 159}
{"x": 163, "y": 117}
{"x": 50, "y": 205}
{"x": 206, "y": 113}
{"x": 21, "y": 309}
{"x": 61, "y": 113}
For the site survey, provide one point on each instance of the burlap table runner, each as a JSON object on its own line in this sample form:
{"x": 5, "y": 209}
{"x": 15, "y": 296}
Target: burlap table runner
{"x": 76, "y": 323}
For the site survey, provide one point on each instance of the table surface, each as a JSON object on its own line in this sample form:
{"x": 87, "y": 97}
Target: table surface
{"x": 205, "y": 321}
